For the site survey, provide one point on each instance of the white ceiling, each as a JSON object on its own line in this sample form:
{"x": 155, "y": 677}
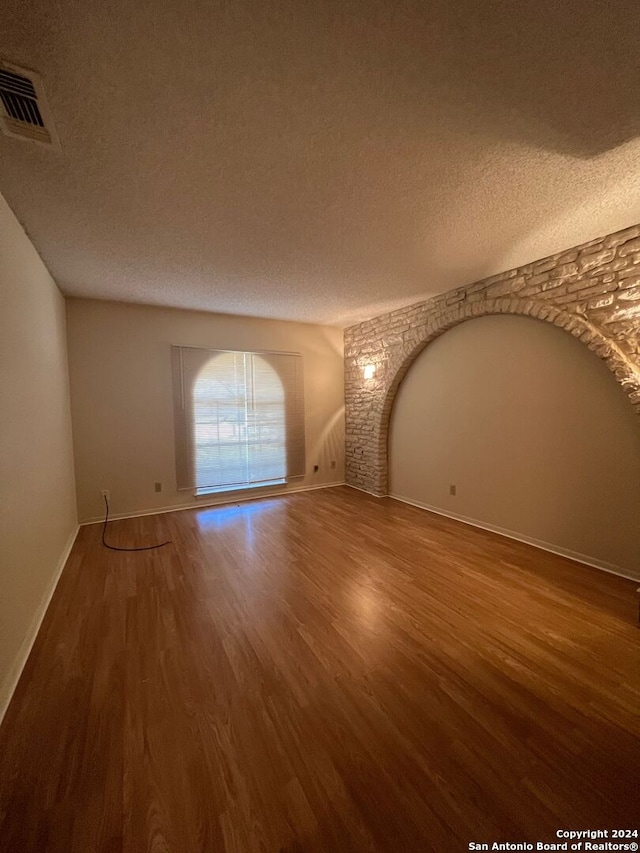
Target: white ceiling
{"x": 320, "y": 160}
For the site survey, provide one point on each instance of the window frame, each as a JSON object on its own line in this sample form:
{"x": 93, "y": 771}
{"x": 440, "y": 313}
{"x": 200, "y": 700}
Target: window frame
{"x": 288, "y": 366}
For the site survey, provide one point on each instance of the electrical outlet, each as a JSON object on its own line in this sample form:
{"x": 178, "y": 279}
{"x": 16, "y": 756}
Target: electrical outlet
{"x": 158, "y": 487}
{"x": 452, "y": 490}
{"x": 105, "y": 493}
{"x": 333, "y": 463}
{"x": 315, "y": 469}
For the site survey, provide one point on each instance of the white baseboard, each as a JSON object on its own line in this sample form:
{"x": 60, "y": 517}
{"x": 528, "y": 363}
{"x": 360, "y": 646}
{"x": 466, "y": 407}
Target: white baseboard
{"x": 528, "y": 540}
{"x": 13, "y": 676}
{"x": 371, "y": 494}
{"x": 202, "y": 502}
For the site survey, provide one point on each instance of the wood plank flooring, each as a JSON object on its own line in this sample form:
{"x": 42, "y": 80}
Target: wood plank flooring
{"x": 321, "y": 672}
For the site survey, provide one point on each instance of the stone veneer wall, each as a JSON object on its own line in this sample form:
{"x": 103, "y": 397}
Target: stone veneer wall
{"x": 592, "y": 291}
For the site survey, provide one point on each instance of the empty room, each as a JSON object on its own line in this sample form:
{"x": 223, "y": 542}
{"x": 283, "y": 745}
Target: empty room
{"x": 320, "y": 457}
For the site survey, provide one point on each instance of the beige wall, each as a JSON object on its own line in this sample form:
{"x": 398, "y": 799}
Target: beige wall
{"x": 533, "y": 430}
{"x": 120, "y": 369}
{"x": 37, "y": 493}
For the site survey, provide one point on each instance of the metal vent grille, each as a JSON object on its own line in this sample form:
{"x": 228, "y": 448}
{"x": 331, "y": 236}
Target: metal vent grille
{"x": 24, "y": 112}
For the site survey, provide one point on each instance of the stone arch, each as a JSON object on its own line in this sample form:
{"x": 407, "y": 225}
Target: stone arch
{"x": 397, "y": 366}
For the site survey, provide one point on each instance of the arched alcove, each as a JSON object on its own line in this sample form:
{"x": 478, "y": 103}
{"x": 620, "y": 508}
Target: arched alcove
{"x": 378, "y": 397}
{"x": 529, "y": 427}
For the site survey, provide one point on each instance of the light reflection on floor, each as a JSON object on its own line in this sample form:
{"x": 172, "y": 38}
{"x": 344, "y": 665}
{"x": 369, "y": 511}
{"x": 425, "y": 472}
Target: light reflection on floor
{"x": 244, "y": 526}
{"x": 222, "y": 516}
{"x": 365, "y": 601}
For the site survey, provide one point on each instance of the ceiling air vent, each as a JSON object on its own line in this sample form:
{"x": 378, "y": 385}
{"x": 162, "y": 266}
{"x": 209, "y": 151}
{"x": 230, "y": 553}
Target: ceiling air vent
{"x": 25, "y": 112}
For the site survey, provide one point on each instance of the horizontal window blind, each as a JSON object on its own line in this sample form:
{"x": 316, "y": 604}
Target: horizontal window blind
{"x": 239, "y": 417}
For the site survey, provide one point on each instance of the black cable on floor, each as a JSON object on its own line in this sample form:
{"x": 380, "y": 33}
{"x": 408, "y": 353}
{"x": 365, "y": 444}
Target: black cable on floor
{"x": 114, "y": 547}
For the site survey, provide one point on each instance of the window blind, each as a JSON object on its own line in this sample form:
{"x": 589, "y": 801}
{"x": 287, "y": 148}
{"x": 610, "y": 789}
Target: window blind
{"x": 239, "y": 417}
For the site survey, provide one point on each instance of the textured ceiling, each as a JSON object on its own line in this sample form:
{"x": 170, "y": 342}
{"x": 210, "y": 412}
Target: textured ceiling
{"x": 325, "y": 160}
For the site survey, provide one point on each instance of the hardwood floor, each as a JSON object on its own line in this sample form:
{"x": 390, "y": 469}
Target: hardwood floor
{"x": 321, "y": 672}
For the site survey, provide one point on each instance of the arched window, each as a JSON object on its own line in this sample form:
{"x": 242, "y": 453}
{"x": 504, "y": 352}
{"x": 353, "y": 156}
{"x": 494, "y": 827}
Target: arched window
{"x": 239, "y": 428}
{"x": 239, "y": 418}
